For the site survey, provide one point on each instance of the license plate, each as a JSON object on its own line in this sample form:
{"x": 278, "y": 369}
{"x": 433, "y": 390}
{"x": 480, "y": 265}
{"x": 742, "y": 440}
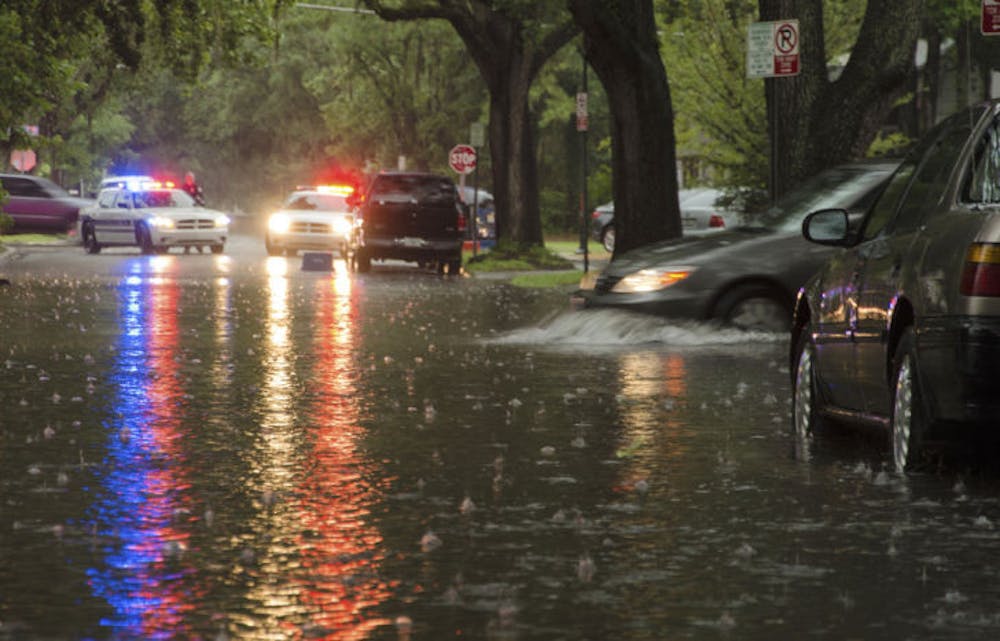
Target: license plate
{"x": 411, "y": 242}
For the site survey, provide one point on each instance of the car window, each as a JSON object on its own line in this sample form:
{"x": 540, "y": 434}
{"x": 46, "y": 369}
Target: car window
{"x": 24, "y": 188}
{"x": 163, "y": 198}
{"x": 837, "y": 187}
{"x": 981, "y": 183}
{"x": 424, "y": 189}
{"x": 106, "y": 198}
{"x": 322, "y": 202}
{"x": 928, "y": 167}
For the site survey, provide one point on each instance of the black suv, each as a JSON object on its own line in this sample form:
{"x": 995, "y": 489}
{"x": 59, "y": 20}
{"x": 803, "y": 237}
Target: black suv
{"x": 416, "y": 217}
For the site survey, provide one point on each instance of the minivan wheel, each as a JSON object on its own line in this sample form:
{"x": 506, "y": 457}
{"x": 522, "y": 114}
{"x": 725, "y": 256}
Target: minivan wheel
{"x": 362, "y": 261}
{"x": 908, "y": 421}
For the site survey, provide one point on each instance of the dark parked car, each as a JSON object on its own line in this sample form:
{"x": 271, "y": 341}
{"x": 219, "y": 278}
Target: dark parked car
{"x": 901, "y": 328}
{"x": 38, "y": 204}
{"x": 746, "y": 276}
{"x": 416, "y": 217}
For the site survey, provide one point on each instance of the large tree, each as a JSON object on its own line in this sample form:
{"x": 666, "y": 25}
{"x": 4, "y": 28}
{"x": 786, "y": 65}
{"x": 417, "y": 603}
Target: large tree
{"x": 509, "y": 41}
{"x": 622, "y": 47}
{"x": 816, "y": 122}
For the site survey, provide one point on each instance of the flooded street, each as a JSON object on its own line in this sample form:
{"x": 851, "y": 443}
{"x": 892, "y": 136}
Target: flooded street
{"x": 257, "y": 452}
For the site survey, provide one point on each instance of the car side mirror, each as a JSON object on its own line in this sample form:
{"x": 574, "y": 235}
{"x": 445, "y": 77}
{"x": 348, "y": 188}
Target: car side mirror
{"x": 827, "y": 227}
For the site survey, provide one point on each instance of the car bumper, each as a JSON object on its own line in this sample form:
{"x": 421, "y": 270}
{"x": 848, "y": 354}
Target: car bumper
{"x": 189, "y": 237}
{"x": 669, "y": 302}
{"x": 327, "y": 242}
{"x": 412, "y": 249}
{"x": 959, "y": 362}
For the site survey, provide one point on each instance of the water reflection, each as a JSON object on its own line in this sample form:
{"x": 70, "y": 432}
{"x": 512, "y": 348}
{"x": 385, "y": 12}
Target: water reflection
{"x": 145, "y": 578}
{"x": 309, "y": 470}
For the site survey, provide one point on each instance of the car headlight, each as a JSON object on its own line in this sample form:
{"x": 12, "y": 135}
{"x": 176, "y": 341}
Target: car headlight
{"x": 222, "y": 220}
{"x": 651, "y": 280}
{"x": 162, "y": 222}
{"x": 342, "y": 227}
{"x": 279, "y": 223}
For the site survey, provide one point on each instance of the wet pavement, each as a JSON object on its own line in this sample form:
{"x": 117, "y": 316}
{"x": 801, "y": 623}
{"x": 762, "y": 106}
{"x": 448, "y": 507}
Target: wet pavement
{"x": 201, "y": 447}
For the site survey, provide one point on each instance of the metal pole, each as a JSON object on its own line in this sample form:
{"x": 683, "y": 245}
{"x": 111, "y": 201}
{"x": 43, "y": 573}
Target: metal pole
{"x": 475, "y": 207}
{"x": 583, "y": 226}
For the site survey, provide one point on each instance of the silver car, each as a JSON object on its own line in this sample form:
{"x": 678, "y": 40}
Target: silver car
{"x": 901, "y": 327}
{"x": 153, "y": 216}
{"x": 746, "y": 276}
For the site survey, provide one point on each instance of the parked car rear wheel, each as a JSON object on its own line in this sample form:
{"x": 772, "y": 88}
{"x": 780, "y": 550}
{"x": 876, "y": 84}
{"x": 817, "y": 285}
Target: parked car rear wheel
{"x": 608, "y": 239}
{"x": 362, "y": 261}
{"x": 908, "y": 422}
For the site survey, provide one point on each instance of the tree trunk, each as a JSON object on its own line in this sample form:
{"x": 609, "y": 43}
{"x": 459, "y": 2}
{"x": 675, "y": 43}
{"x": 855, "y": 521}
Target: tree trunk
{"x": 815, "y": 123}
{"x": 620, "y": 44}
{"x": 509, "y": 51}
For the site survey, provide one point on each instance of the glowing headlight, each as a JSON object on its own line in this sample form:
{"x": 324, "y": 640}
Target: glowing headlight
{"x": 342, "y": 227}
{"x": 222, "y": 220}
{"x": 651, "y": 280}
{"x": 279, "y": 223}
{"x": 161, "y": 222}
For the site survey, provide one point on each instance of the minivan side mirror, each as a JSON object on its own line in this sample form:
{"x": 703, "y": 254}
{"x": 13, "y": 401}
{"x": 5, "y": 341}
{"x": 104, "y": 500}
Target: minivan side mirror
{"x": 827, "y": 227}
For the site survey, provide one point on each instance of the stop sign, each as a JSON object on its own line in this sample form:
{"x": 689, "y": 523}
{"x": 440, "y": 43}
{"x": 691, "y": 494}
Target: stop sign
{"x": 462, "y": 159}
{"x": 24, "y": 159}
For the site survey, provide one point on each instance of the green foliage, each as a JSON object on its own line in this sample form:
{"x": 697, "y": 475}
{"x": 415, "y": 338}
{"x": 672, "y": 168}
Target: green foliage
{"x": 513, "y": 257}
{"x": 6, "y": 222}
{"x": 548, "y": 280}
{"x": 889, "y": 145}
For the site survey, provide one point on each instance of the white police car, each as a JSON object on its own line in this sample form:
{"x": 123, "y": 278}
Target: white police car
{"x": 316, "y": 218}
{"x": 154, "y": 216}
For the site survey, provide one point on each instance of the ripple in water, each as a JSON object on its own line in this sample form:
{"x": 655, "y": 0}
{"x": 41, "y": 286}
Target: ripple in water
{"x": 616, "y": 328}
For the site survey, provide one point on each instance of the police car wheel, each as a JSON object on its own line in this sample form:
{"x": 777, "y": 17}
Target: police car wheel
{"x": 90, "y": 243}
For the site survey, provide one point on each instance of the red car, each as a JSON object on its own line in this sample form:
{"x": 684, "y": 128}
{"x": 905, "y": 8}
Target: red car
{"x": 38, "y": 204}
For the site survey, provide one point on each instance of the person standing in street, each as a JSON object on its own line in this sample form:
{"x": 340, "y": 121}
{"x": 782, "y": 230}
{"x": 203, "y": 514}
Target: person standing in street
{"x": 193, "y": 189}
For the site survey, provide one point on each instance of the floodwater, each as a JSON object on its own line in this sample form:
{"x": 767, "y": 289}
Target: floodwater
{"x": 276, "y": 454}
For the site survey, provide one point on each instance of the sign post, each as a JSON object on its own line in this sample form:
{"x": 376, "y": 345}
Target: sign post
{"x": 462, "y": 160}
{"x": 476, "y": 135}
{"x": 773, "y": 52}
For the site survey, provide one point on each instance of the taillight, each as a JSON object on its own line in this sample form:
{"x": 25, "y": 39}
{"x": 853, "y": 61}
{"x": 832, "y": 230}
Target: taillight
{"x": 595, "y": 215}
{"x": 981, "y": 274}
{"x": 715, "y": 220}
{"x": 461, "y": 222}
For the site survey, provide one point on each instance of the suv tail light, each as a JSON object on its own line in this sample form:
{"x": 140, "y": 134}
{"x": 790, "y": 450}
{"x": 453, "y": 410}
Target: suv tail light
{"x": 461, "y": 222}
{"x": 715, "y": 220}
{"x": 981, "y": 275}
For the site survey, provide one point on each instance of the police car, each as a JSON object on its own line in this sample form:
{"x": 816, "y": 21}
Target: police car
{"x": 154, "y": 216}
{"x": 312, "y": 218}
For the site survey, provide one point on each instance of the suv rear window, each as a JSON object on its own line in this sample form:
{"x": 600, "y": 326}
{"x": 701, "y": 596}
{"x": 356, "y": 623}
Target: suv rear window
{"x": 424, "y": 189}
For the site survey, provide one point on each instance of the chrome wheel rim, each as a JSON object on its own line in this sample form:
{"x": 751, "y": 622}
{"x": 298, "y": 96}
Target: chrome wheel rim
{"x": 762, "y": 314}
{"x": 609, "y": 240}
{"x": 803, "y": 408}
{"x": 902, "y": 415}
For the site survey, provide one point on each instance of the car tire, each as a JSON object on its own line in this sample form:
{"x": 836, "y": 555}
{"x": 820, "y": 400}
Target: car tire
{"x": 272, "y": 250}
{"x": 455, "y": 266}
{"x": 754, "y": 307}
{"x": 608, "y": 239}
{"x": 362, "y": 261}
{"x": 217, "y": 249}
{"x": 144, "y": 238}
{"x": 90, "y": 244}
{"x": 806, "y": 401}
{"x": 909, "y": 425}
